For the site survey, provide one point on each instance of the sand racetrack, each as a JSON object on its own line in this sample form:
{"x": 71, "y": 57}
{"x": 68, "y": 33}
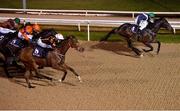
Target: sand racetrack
{"x": 112, "y": 79}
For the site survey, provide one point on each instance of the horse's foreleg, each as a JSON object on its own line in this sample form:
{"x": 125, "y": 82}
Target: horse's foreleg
{"x": 137, "y": 51}
{"x": 64, "y": 76}
{"x": 159, "y": 46}
{"x": 158, "y": 49}
{"x": 27, "y": 76}
{"x": 73, "y": 71}
{"x": 61, "y": 68}
{"x": 148, "y": 45}
{"x": 109, "y": 34}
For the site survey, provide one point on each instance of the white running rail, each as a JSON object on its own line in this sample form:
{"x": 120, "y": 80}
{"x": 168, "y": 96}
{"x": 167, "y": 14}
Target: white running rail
{"x": 88, "y": 23}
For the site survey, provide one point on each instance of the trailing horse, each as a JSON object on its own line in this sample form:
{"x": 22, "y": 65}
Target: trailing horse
{"x": 4, "y": 52}
{"x": 147, "y": 36}
{"x": 11, "y": 47}
{"x": 54, "y": 59}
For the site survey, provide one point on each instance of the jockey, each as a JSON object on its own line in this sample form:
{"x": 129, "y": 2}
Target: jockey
{"x": 143, "y": 19}
{"x": 42, "y": 48}
{"x": 25, "y": 36}
{"x": 11, "y": 25}
{"x": 26, "y": 33}
{"x": 49, "y": 32}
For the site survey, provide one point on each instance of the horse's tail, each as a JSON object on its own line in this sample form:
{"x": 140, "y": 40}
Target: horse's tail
{"x": 113, "y": 31}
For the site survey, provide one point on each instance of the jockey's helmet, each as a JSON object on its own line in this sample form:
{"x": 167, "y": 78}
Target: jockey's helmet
{"x": 27, "y": 23}
{"x": 36, "y": 28}
{"x": 151, "y": 14}
{"x": 59, "y": 36}
{"x": 29, "y": 29}
{"x": 17, "y": 20}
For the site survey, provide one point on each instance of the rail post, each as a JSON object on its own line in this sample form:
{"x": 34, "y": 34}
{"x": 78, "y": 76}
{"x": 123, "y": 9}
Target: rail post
{"x": 88, "y": 31}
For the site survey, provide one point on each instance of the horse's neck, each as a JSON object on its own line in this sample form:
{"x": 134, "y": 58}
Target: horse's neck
{"x": 156, "y": 26}
{"x": 64, "y": 47}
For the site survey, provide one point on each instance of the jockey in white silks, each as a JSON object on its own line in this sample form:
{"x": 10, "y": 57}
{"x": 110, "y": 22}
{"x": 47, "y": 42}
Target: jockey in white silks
{"x": 44, "y": 45}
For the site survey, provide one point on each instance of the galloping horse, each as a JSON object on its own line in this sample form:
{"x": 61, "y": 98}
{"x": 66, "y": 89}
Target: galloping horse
{"x": 5, "y": 54}
{"x": 9, "y": 51}
{"x": 147, "y": 37}
{"x": 54, "y": 59}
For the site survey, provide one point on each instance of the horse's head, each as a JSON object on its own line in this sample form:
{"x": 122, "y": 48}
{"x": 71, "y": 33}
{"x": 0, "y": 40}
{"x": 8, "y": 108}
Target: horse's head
{"x": 73, "y": 43}
{"x": 165, "y": 24}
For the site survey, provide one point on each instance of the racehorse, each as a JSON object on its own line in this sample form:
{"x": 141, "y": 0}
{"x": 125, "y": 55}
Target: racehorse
{"x": 10, "y": 52}
{"x": 147, "y": 37}
{"x": 54, "y": 59}
{"x": 4, "y": 53}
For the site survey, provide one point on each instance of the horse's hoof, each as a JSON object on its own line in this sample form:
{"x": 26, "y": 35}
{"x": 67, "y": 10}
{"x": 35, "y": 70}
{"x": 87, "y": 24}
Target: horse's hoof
{"x": 31, "y": 86}
{"x": 144, "y": 50}
{"x": 79, "y": 78}
{"x": 60, "y": 80}
{"x": 141, "y": 55}
{"x": 10, "y": 77}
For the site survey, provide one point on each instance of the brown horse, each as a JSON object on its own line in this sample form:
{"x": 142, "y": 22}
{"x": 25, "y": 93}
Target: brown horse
{"x": 54, "y": 59}
{"x": 9, "y": 53}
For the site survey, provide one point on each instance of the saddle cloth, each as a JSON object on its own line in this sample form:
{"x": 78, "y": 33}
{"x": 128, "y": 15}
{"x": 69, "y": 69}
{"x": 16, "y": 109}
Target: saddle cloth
{"x": 40, "y": 52}
{"x": 134, "y": 29}
{"x": 17, "y": 43}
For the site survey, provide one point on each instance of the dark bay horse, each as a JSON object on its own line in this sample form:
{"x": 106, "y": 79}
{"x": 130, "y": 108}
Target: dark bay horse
{"x": 147, "y": 37}
{"x": 54, "y": 59}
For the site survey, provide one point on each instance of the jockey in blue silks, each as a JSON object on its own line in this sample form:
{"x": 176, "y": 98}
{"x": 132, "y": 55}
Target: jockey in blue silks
{"x": 143, "y": 19}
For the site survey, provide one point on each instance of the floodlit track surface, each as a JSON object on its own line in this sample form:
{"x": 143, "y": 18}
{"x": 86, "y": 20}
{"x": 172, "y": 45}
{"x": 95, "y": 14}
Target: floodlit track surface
{"x": 113, "y": 78}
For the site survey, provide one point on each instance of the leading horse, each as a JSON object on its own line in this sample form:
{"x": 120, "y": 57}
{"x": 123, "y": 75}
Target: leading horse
{"x": 147, "y": 37}
{"x": 54, "y": 59}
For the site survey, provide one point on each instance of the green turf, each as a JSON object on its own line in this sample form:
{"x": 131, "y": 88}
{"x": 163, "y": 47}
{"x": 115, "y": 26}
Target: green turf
{"x": 125, "y": 5}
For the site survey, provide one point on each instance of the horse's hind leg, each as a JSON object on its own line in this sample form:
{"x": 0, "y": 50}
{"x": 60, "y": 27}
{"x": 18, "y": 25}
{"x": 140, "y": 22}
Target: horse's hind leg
{"x": 73, "y": 71}
{"x": 5, "y": 66}
{"x": 137, "y": 51}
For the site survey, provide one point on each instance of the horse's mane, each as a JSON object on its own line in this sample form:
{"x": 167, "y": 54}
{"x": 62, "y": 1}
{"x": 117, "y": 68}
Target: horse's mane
{"x": 67, "y": 38}
{"x": 159, "y": 19}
